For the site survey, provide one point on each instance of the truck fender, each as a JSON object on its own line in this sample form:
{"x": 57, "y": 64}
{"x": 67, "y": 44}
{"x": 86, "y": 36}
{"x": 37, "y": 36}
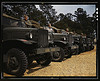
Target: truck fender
{"x": 60, "y": 43}
{"x": 19, "y": 43}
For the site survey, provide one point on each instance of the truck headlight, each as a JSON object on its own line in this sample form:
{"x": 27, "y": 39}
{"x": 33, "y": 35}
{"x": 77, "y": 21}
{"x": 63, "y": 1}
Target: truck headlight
{"x": 48, "y": 37}
{"x": 29, "y": 36}
{"x": 72, "y": 40}
{"x": 77, "y": 38}
{"x": 64, "y": 38}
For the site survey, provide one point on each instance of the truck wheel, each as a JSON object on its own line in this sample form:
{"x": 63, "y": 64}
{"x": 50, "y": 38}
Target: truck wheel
{"x": 67, "y": 52}
{"x": 80, "y": 49}
{"x": 76, "y": 51}
{"x": 83, "y": 49}
{"x": 16, "y": 62}
{"x": 92, "y": 47}
{"x": 88, "y": 48}
{"x": 58, "y": 56}
{"x": 44, "y": 59}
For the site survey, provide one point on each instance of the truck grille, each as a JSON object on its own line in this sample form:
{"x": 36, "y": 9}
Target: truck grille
{"x": 70, "y": 39}
{"x": 42, "y": 38}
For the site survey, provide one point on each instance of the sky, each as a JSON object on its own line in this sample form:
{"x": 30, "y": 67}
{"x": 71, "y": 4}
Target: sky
{"x": 90, "y": 9}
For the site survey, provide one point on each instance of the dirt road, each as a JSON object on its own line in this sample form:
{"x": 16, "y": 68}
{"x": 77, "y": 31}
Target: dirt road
{"x": 83, "y": 64}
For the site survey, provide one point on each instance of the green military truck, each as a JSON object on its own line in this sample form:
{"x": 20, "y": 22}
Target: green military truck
{"x": 22, "y": 45}
{"x": 65, "y": 42}
{"x": 79, "y": 40}
{"x": 90, "y": 43}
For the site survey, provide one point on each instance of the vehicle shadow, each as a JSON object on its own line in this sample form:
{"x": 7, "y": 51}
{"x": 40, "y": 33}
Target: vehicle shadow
{"x": 34, "y": 67}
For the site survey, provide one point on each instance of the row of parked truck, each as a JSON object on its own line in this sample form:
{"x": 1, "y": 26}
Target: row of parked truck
{"x": 22, "y": 45}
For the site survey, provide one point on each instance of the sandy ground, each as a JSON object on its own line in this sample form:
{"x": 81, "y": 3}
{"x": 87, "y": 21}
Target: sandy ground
{"x": 83, "y": 64}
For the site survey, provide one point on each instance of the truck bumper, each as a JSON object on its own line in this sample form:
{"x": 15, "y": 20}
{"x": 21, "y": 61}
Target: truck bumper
{"x": 84, "y": 45}
{"x": 89, "y": 44}
{"x": 46, "y": 50}
{"x": 74, "y": 47}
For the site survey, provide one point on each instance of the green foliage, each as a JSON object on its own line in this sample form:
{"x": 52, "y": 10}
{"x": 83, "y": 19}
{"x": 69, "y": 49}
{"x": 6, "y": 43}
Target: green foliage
{"x": 81, "y": 23}
{"x": 85, "y": 21}
{"x": 49, "y": 13}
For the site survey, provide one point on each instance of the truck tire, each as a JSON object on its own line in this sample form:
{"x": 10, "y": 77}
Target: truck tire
{"x": 92, "y": 48}
{"x": 88, "y": 48}
{"x": 67, "y": 51}
{"x": 58, "y": 56}
{"x": 83, "y": 49}
{"x": 80, "y": 48}
{"x": 44, "y": 59}
{"x": 16, "y": 62}
{"x": 76, "y": 51}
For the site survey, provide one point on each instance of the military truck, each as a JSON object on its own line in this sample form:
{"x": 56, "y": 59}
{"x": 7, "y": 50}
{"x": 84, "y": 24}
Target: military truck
{"x": 80, "y": 41}
{"x": 34, "y": 24}
{"x": 65, "y": 42}
{"x": 91, "y": 38}
{"x": 90, "y": 45}
{"x": 22, "y": 45}
{"x": 84, "y": 41}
